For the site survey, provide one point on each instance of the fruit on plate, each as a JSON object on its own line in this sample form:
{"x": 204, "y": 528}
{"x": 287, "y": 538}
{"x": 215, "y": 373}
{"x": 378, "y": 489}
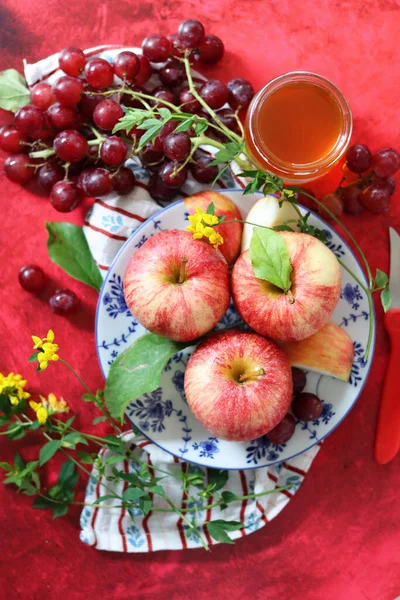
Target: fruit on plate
{"x": 266, "y": 212}
{"x": 176, "y": 286}
{"x": 231, "y": 232}
{"x": 329, "y": 351}
{"x": 238, "y": 385}
{"x": 309, "y": 303}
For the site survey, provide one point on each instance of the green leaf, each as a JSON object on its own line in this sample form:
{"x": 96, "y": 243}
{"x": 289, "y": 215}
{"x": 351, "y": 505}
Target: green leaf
{"x": 217, "y": 478}
{"x": 6, "y": 466}
{"x": 270, "y": 258}
{"x": 149, "y": 123}
{"x": 74, "y": 438}
{"x": 218, "y": 533}
{"x": 4, "y": 420}
{"x": 18, "y": 462}
{"x": 201, "y": 127}
{"x": 145, "y": 504}
{"x": 85, "y": 457}
{"x": 133, "y": 493}
{"x": 14, "y": 92}
{"x": 15, "y": 431}
{"x": 68, "y": 248}
{"x": 228, "y": 497}
{"x": 19, "y": 408}
{"x": 228, "y": 525}
{"x": 69, "y": 422}
{"x": 67, "y": 475}
{"x": 59, "y": 510}
{"x": 5, "y": 406}
{"x": 98, "y": 420}
{"x": 88, "y": 398}
{"x": 137, "y": 371}
{"x": 228, "y": 153}
{"x": 48, "y": 451}
{"x": 33, "y": 357}
{"x": 114, "y": 443}
{"x": 386, "y": 299}
{"x": 102, "y": 498}
{"x": 211, "y": 209}
{"x": 157, "y": 489}
{"x": 150, "y": 134}
{"x": 381, "y": 279}
{"x": 131, "y": 117}
{"x": 184, "y": 125}
{"x": 165, "y": 113}
{"x": 35, "y": 425}
{"x": 131, "y": 477}
{"x": 42, "y": 503}
{"x": 113, "y": 460}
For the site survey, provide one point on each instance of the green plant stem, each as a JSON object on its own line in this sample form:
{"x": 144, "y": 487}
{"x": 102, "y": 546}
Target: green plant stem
{"x": 42, "y": 153}
{"x": 139, "y": 96}
{"x": 64, "y": 362}
{"x": 11, "y": 431}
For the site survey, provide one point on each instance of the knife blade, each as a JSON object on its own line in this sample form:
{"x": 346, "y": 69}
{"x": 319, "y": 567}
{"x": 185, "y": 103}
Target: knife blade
{"x": 387, "y": 443}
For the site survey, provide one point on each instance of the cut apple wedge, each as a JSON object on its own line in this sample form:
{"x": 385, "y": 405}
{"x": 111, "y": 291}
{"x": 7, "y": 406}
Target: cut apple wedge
{"x": 330, "y": 351}
{"x": 267, "y": 212}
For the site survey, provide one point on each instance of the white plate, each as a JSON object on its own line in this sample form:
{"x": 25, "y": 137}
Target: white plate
{"x": 164, "y": 416}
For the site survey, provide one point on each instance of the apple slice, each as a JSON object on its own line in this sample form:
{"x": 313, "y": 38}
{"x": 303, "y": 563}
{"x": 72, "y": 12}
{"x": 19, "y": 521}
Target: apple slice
{"x": 266, "y": 211}
{"x": 330, "y": 351}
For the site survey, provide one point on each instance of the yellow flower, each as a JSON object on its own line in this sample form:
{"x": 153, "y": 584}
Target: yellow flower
{"x": 48, "y": 407}
{"x": 15, "y": 385}
{"x": 216, "y": 239}
{"x": 201, "y": 225}
{"x": 210, "y": 219}
{"x": 39, "y": 341}
{"x": 47, "y": 349}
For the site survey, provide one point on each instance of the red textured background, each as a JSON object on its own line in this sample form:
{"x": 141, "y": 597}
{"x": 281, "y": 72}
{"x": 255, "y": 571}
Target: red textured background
{"x": 339, "y": 538}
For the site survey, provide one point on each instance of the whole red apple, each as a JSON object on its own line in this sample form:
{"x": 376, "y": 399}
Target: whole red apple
{"x": 231, "y": 232}
{"x": 176, "y": 286}
{"x": 238, "y": 385}
{"x": 306, "y": 308}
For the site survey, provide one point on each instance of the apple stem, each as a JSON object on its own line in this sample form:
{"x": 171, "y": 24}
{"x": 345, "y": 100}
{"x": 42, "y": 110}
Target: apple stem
{"x": 245, "y": 376}
{"x": 182, "y": 272}
{"x": 290, "y": 297}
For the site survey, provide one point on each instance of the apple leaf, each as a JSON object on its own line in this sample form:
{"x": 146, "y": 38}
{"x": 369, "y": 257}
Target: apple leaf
{"x": 270, "y": 258}
{"x": 14, "y": 92}
{"x": 138, "y": 371}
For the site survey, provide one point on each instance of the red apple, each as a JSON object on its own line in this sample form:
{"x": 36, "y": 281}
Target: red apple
{"x": 238, "y": 385}
{"x": 231, "y": 232}
{"x": 176, "y": 286}
{"x": 310, "y": 302}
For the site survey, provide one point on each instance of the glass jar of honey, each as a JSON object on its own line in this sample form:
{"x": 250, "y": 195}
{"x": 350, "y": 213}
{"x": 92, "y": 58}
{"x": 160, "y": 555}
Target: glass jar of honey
{"x": 298, "y": 126}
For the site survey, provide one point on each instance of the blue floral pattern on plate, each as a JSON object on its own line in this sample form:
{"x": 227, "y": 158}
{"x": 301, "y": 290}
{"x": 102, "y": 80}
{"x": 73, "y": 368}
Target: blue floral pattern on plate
{"x": 164, "y": 415}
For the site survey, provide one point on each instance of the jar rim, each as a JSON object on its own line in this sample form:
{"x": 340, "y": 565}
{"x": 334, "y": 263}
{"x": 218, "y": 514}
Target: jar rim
{"x": 291, "y": 170}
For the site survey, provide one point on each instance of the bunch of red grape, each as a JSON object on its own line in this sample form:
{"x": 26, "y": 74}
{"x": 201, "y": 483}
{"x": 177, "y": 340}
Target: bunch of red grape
{"x": 73, "y": 119}
{"x": 367, "y": 182}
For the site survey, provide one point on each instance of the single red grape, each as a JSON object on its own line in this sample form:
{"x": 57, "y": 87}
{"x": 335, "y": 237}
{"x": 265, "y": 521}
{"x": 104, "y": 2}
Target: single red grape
{"x": 189, "y": 102}
{"x": 177, "y": 146}
{"x": 32, "y": 279}
{"x": 172, "y": 73}
{"x": 99, "y": 73}
{"x": 358, "y": 158}
{"x": 126, "y": 65}
{"x": 62, "y": 117}
{"x": 80, "y": 182}
{"x": 113, "y": 150}
{"x": 215, "y": 93}
{"x": 88, "y": 103}
{"x": 98, "y": 182}
{"x": 190, "y": 33}
{"x": 29, "y": 120}
{"x": 161, "y": 93}
{"x": 211, "y": 50}
{"x": 159, "y": 191}
{"x": 241, "y": 93}
{"x": 306, "y": 407}
{"x": 228, "y": 119}
{"x": 145, "y": 71}
{"x": 49, "y": 175}
{"x": 386, "y": 162}
{"x": 333, "y": 203}
{"x": 11, "y": 140}
{"x": 168, "y": 176}
{"x": 124, "y": 181}
{"x": 283, "y": 431}
{"x": 68, "y": 90}
{"x": 166, "y": 129}
{"x": 386, "y": 183}
{"x": 150, "y": 157}
{"x": 70, "y": 145}
{"x": 201, "y": 169}
{"x": 72, "y": 61}
{"x": 65, "y": 196}
{"x": 107, "y": 114}
{"x": 351, "y": 197}
{"x": 42, "y": 96}
{"x": 299, "y": 380}
{"x": 173, "y": 38}
{"x": 18, "y": 169}
{"x": 63, "y": 302}
{"x": 156, "y": 48}
{"x": 375, "y": 199}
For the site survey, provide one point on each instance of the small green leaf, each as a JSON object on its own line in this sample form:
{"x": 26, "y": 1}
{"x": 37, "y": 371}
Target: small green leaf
{"x": 157, "y": 489}
{"x": 5, "y": 406}
{"x": 217, "y": 478}
{"x": 68, "y": 423}
{"x": 131, "y": 117}
{"x": 228, "y": 153}
{"x": 184, "y": 125}
{"x": 149, "y": 123}
{"x": 218, "y": 533}
{"x": 98, "y": 420}
{"x": 270, "y": 258}
{"x": 85, "y": 457}
{"x": 15, "y": 431}
{"x": 18, "y": 462}
{"x": 228, "y": 525}
{"x": 113, "y": 460}
{"x": 68, "y": 248}
{"x": 88, "y": 397}
{"x": 165, "y": 113}
{"x": 59, "y": 510}
{"x": 33, "y": 357}
{"x": 228, "y": 497}
{"x": 211, "y": 209}
{"x": 150, "y": 134}
{"x": 35, "y": 425}
{"x": 114, "y": 443}
{"x": 74, "y": 438}
{"x": 106, "y": 497}
{"x": 67, "y": 474}
{"x": 137, "y": 371}
{"x": 6, "y": 466}
{"x": 201, "y": 127}
{"x": 386, "y": 299}
{"x": 48, "y": 451}
{"x": 42, "y": 503}
{"x": 145, "y": 504}
{"x": 381, "y": 279}
{"x": 133, "y": 493}
{"x": 130, "y": 477}
{"x": 14, "y": 92}
{"x": 19, "y": 408}
{"x": 4, "y": 420}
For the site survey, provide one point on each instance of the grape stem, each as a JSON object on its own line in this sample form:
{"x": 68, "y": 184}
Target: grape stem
{"x": 42, "y": 153}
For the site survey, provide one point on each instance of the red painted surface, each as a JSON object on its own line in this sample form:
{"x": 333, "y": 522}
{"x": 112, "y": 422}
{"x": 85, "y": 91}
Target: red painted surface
{"x": 339, "y": 538}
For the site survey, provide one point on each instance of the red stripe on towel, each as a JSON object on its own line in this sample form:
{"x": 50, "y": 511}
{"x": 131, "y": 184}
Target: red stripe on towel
{"x": 120, "y": 238}
{"x": 244, "y": 502}
{"x": 121, "y": 211}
